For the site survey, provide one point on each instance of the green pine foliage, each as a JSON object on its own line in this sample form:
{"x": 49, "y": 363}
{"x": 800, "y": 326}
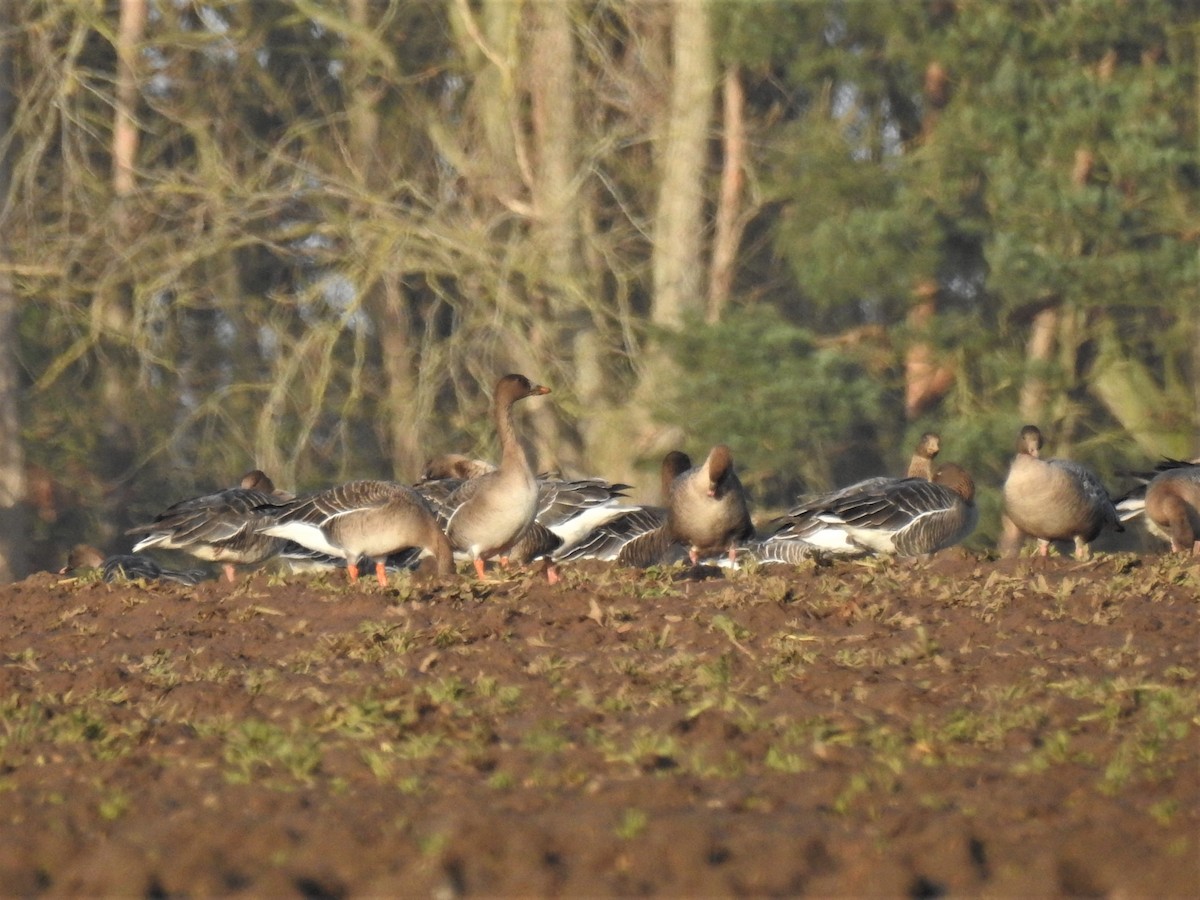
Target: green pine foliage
{"x": 788, "y": 406}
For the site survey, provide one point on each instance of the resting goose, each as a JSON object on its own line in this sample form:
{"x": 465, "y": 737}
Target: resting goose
{"x": 217, "y": 527}
{"x": 638, "y": 536}
{"x": 706, "y": 507}
{"x": 900, "y": 516}
{"x": 493, "y": 510}
{"x": 921, "y": 464}
{"x": 1055, "y": 499}
{"x": 1173, "y": 507}
{"x": 909, "y": 516}
{"x": 457, "y": 466}
{"x": 360, "y": 519}
{"x": 129, "y": 567}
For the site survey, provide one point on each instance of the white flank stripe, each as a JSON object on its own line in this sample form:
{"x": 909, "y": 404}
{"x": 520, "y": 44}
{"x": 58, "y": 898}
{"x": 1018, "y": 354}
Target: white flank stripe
{"x": 305, "y": 535}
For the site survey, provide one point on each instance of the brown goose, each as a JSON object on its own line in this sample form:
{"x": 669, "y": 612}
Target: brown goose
{"x": 455, "y": 465}
{"x": 493, "y": 510}
{"x": 1055, "y": 499}
{"x": 1173, "y": 507}
{"x": 921, "y": 464}
{"x": 218, "y": 527}
{"x": 706, "y": 507}
{"x": 360, "y": 519}
{"x": 128, "y": 567}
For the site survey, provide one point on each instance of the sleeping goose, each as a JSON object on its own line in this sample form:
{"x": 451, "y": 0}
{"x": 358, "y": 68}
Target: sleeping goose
{"x": 493, "y": 510}
{"x": 127, "y": 566}
{"x": 1173, "y": 507}
{"x": 1055, "y": 499}
{"x": 360, "y": 519}
{"x": 217, "y": 527}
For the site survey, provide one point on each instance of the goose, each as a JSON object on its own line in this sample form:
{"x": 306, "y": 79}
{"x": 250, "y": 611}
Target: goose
{"x": 900, "y": 516}
{"x": 457, "y": 466}
{"x": 567, "y": 509}
{"x": 638, "y": 535}
{"x": 706, "y": 505}
{"x": 127, "y": 566}
{"x": 218, "y": 527}
{"x": 806, "y": 531}
{"x": 492, "y": 510}
{"x": 370, "y": 519}
{"x": 1055, "y": 499}
{"x": 1132, "y": 504}
{"x": 921, "y": 464}
{"x": 909, "y": 516}
{"x": 1173, "y": 507}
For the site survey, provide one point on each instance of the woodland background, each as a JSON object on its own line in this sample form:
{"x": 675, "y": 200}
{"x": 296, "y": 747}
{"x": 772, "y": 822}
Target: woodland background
{"x": 308, "y": 236}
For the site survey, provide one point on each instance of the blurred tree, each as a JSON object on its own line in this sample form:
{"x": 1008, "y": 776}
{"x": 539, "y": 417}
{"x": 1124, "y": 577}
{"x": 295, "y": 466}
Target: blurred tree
{"x": 13, "y": 512}
{"x": 309, "y": 236}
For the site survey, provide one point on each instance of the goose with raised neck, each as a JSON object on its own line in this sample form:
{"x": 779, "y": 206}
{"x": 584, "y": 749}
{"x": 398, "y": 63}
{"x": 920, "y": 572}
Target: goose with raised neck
{"x": 1055, "y": 499}
{"x": 493, "y": 510}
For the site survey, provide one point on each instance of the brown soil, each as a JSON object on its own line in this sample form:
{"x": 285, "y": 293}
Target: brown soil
{"x": 960, "y": 726}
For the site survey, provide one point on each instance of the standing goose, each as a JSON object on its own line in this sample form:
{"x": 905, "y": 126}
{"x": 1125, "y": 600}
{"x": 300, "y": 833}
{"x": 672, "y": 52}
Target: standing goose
{"x": 567, "y": 509}
{"x": 1173, "y": 507}
{"x": 493, "y": 510}
{"x": 370, "y": 519}
{"x": 1055, "y": 499}
{"x": 218, "y": 527}
{"x": 706, "y": 507}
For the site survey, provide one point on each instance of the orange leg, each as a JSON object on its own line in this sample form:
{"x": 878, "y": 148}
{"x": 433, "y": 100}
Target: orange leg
{"x": 551, "y": 573}
{"x": 229, "y": 574}
{"x": 352, "y": 568}
{"x": 381, "y": 574}
{"x": 479, "y": 566}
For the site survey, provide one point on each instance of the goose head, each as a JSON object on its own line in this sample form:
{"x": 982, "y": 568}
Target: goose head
{"x": 1030, "y": 441}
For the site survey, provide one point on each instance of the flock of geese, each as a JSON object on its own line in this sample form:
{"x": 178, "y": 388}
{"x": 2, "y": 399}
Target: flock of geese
{"x": 470, "y": 510}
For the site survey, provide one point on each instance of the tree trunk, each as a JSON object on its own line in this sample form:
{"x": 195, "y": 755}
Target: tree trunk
{"x": 551, "y": 77}
{"x": 730, "y": 224}
{"x": 385, "y": 298}
{"x": 925, "y": 381}
{"x": 1039, "y": 351}
{"x": 679, "y": 215}
{"x": 13, "y": 528}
